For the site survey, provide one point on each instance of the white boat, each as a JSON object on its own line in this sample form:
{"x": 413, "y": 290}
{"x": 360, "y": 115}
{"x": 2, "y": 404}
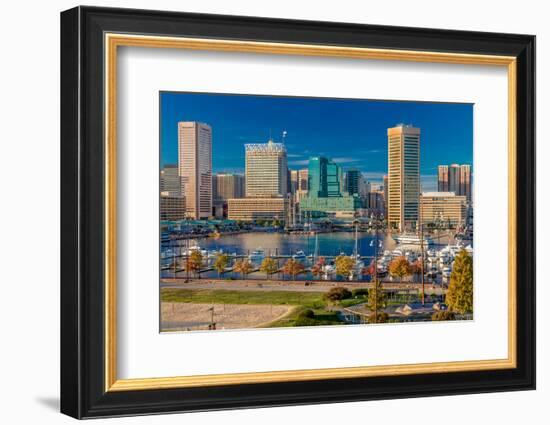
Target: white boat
{"x": 214, "y": 253}
{"x": 412, "y": 239}
{"x": 300, "y": 255}
{"x": 328, "y": 271}
{"x": 168, "y": 253}
{"x": 257, "y": 255}
{"x": 197, "y": 248}
{"x": 396, "y": 253}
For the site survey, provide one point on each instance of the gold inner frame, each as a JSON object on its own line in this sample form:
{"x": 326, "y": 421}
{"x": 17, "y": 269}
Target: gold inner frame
{"x": 113, "y": 41}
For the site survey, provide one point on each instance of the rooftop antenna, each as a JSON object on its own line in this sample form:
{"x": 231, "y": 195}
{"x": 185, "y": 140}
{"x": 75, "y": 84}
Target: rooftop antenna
{"x": 284, "y": 135}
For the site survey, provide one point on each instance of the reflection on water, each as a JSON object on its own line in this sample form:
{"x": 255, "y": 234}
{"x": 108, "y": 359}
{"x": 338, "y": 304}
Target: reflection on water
{"x": 328, "y": 244}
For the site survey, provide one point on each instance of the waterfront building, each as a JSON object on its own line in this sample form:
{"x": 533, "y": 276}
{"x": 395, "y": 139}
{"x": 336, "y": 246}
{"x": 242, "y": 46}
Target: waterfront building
{"x": 325, "y": 190}
{"x": 403, "y": 176}
{"x": 356, "y": 184}
{"x": 266, "y": 170}
{"x": 227, "y": 186}
{"x": 172, "y": 207}
{"x": 195, "y": 167}
{"x": 219, "y": 209}
{"x": 170, "y": 180}
{"x": 376, "y": 202}
{"x": 249, "y": 209}
{"x": 455, "y": 178}
{"x": 443, "y": 209}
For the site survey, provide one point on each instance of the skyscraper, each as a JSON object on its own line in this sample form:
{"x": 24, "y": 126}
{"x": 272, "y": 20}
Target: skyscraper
{"x": 466, "y": 181}
{"x": 403, "y": 176}
{"x": 299, "y": 184}
{"x": 227, "y": 186}
{"x": 353, "y": 181}
{"x": 443, "y": 178}
{"x": 325, "y": 190}
{"x": 455, "y": 178}
{"x": 266, "y": 170}
{"x": 195, "y": 167}
{"x": 325, "y": 178}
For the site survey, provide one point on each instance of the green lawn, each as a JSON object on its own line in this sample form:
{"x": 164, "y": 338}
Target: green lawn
{"x": 222, "y": 296}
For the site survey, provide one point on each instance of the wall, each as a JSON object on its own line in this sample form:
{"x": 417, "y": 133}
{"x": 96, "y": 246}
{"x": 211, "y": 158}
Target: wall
{"x": 29, "y": 225}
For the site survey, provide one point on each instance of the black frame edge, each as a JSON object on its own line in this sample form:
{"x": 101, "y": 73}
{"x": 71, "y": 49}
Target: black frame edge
{"x": 70, "y": 382}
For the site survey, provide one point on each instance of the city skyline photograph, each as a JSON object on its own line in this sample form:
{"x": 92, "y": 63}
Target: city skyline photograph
{"x": 282, "y": 212}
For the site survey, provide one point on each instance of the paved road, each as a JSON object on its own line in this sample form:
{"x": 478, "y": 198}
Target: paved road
{"x": 298, "y": 286}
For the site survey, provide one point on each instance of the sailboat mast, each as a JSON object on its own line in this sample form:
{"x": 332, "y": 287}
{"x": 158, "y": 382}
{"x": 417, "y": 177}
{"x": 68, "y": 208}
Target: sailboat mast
{"x": 356, "y": 251}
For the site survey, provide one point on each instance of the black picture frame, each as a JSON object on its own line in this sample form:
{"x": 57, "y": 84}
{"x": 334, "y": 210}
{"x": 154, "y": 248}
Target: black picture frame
{"x": 82, "y": 212}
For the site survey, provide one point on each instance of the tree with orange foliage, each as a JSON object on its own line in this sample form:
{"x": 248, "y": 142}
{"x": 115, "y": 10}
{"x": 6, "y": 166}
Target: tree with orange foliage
{"x": 400, "y": 267}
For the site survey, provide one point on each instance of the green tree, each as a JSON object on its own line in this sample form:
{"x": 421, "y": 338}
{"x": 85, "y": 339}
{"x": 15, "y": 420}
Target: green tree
{"x": 268, "y": 266}
{"x": 344, "y": 265}
{"x": 293, "y": 268}
{"x": 443, "y": 315}
{"x": 381, "y": 317}
{"x": 460, "y": 295}
{"x": 243, "y": 267}
{"x": 377, "y": 298}
{"x": 222, "y": 260}
{"x": 400, "y": 267}
{"x": 194, "y": 262}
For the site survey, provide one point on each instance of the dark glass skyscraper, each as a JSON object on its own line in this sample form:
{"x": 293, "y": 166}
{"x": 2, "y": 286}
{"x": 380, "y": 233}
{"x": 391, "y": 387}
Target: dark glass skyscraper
{"x": 353, "y": 182}
{"x": 326, "y": 189}
{"x": 324, "y": 178}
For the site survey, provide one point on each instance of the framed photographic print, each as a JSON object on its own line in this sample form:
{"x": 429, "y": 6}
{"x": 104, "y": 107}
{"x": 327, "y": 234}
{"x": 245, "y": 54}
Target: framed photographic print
{"x": 261, "y": 212}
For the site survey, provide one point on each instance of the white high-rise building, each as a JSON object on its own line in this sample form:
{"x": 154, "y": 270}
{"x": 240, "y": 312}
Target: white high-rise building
{"x": 195, "y": 167}
{"x": 266, "y": 170}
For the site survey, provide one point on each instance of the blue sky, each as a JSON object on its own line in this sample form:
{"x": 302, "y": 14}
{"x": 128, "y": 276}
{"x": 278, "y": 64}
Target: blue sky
{"x": 352, "y": 132}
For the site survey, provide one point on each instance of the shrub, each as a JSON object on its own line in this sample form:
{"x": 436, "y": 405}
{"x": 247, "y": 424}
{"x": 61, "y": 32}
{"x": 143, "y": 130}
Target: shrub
{"x": 337, "y": 294}
{"x": 360, "y": 292}
{"x": 306, "y": 314}
{"x": 443, "y": 315}
{"x": 305, "y": 321}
